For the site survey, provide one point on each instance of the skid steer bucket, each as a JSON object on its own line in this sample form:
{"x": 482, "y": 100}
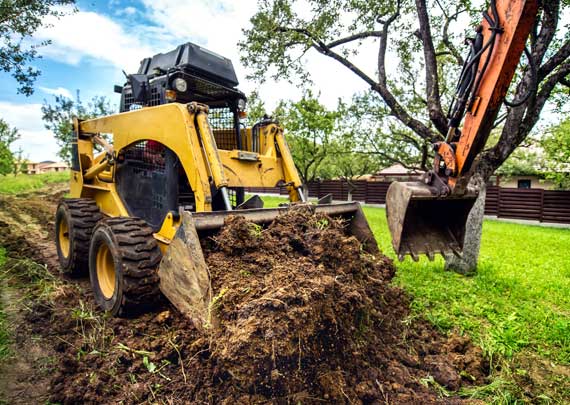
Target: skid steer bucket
{"x": 183, "y": 272}
{"x": 421, "y": 222}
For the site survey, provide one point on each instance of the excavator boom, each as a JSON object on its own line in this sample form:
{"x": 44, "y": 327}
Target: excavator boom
{"x": 429, "y": 216}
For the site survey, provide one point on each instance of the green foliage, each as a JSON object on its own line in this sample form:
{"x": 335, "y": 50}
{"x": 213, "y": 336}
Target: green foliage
{"x": 283, "y": 32}
{"x": 7, "y": 136}
{"x": 323, "y": 143}
{"x": 556, "y": 145}
{"x": 19, "y": 19}
{"x": 29, "y": 182}
{"x": 383, "y": 136}
{"x": 255, "y": 108}
{"x": 522, "y": 162}
{"x": 58, "y": 118}
{"x": 309, "y": 127}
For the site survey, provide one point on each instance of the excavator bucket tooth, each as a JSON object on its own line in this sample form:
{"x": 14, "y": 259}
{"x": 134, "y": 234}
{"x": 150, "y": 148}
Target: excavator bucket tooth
{"x": 183, "y": 272}
{"x": 422, "y": 222}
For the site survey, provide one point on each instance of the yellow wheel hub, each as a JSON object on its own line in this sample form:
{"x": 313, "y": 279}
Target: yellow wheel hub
{"x": 105, "y": 271}
{"x": 63, "y": 237}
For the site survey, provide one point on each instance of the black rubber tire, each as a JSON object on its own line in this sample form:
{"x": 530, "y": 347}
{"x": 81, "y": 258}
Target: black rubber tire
{"x": 136, "y": 257}
{"x": 81, "y": 215}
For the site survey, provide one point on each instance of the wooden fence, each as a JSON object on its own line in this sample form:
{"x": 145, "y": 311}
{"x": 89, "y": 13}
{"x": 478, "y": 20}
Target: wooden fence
{"x": 531, "y": 204}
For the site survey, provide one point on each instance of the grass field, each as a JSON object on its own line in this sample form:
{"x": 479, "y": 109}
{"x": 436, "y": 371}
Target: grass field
{"x": 28, "y": 182}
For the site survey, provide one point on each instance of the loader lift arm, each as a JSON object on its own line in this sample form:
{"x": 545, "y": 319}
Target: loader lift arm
{"x": 429, "y": 216}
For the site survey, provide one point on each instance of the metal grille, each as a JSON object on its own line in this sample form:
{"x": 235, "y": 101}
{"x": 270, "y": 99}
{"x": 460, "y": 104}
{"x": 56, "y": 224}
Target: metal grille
{"x": 154, "y": 97}
{"x": 236, "y": 195}
{"x": 207, "y": 89}
{"x": 152, "y": 101}
{"x": 222, "y": 123}
{"x": 128, "y": 100}
{"x": 145, "y": 157}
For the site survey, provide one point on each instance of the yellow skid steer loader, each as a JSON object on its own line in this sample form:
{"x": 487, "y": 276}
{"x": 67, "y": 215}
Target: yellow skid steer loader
{"x": 149, "y": 182}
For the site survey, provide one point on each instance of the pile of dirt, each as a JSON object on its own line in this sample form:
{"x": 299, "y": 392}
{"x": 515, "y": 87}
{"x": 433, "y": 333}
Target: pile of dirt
{"x": 303, "y": 315}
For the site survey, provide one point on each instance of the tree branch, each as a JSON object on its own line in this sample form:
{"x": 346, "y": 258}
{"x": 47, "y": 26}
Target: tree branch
{"x": 354, "y": 37}
{"x": 520, "y": 122}
{"x": 445, "y": 33}
{"x": 548, "y": 24}
{"x": 396, "y": 108}
{"x": 560, "y": 56}
{"x": 436, "y": 114}
{"x": 322, "y": 48}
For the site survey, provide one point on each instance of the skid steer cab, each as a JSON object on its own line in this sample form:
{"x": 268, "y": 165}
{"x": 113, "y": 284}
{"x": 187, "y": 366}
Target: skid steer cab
{"x": 149, "y": 182}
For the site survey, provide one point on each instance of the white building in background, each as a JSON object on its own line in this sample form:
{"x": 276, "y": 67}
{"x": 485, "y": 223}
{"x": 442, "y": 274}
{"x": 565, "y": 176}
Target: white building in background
{"x": 47, "y": 166}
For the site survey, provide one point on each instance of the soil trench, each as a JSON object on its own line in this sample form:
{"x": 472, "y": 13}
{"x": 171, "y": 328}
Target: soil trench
{"x": 303, "y": 316}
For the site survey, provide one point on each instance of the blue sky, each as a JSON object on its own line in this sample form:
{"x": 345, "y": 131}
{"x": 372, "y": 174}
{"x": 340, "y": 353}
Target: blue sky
{"x": 91, "y": 47}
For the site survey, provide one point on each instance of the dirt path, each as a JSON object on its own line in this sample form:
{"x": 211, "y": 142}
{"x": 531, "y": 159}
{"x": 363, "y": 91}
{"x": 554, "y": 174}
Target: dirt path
{"x": 24, "y": 376}
{"x": 288, "y": 333}
{"x": 25, "y": 231}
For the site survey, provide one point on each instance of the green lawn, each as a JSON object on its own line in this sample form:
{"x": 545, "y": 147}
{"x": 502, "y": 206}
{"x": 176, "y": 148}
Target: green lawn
{"x": 27, "y": 182}
{"x": 516, "y": 306}
{"x": 518, "y": 299}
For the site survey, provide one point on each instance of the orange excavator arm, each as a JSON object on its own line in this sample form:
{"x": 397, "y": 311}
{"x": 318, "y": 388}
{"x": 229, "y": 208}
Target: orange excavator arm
{"x": 429, "y": 216}
{"x": 496, "y": 69}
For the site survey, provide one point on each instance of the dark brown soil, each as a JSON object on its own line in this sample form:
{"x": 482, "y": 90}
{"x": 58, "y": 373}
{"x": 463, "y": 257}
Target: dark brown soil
{"x": 304, "y": 316}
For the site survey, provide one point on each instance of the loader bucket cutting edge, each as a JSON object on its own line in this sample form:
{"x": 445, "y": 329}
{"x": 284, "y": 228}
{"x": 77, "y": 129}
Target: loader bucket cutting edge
{"x": 421, "y": 222}
{"x": 183, "y": 272}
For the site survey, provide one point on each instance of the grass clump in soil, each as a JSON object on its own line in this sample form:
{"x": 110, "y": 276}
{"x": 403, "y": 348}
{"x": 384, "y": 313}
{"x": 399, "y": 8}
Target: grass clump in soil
{"x": 29, "y": 182}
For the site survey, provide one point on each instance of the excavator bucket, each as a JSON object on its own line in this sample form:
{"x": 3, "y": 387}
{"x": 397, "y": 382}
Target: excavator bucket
{"x": 183, "y": 272}
{"x": 422, "y": 222}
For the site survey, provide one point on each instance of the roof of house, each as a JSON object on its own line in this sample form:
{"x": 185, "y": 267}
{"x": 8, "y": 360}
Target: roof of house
{"x": 55, "y": 165}
{"x": 396, "y": 169}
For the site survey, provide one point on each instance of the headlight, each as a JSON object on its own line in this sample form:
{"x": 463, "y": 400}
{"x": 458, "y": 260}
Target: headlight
{"x": 180, "y": 85}
{"x": 241, "y": 104}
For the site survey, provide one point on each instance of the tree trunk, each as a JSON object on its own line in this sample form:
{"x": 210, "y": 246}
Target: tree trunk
{"x": 306, "y": 191}
{"x": 467, "y": 264}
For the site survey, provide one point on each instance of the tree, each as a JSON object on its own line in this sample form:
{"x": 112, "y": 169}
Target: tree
{"x": 255, "y": 108}
{"x": 7, "y": 136}
{"x": 386, "y": 139}
{"x": 309, "y": 128}
{"x": 19, "y": 164}
{"x": 282, "y": 34}
{"x": 19, "y": 19}
{"x": 348, "y": 157}
{"x": 556, "y": 146}
{"x": 58, "y": 118}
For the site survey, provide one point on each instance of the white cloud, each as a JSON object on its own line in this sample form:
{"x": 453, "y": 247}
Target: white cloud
{"x": 37, "y": 143}
{"x": 214, "y": 24}
{"x": 59, "y": 91}
{"x": 128, "y": 11}
{"x": 218, "y": 25}
{"x": 86, "y": 34}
